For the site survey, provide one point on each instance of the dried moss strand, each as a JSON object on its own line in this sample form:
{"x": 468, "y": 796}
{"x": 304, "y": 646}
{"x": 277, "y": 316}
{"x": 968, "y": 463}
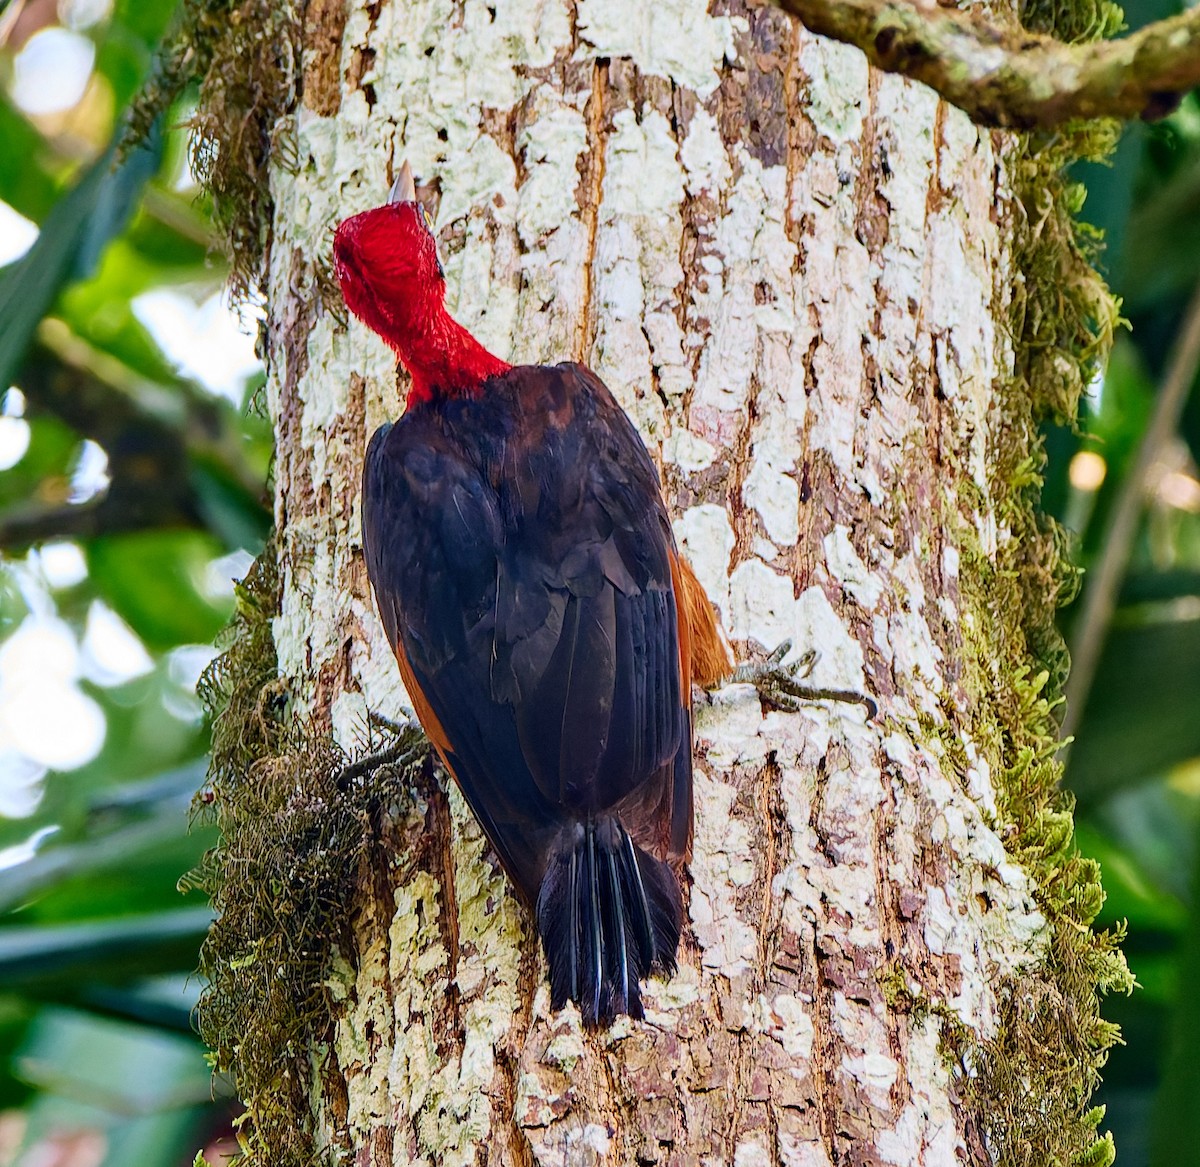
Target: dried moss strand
{"x": 245, "y": 54}
{"x": 295, "y": 841}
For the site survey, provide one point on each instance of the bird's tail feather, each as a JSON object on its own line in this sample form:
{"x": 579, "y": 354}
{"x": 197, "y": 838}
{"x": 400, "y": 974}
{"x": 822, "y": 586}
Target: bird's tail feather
{"x": 608, "y": 914}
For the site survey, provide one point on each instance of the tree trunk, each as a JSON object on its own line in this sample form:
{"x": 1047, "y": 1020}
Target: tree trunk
{"x": 798, "y": 276}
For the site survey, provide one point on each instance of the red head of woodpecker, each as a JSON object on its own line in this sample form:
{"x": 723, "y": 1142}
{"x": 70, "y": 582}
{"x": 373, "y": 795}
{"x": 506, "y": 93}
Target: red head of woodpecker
{"x": 387, "y": 262}
{"x": 546, "y": 629}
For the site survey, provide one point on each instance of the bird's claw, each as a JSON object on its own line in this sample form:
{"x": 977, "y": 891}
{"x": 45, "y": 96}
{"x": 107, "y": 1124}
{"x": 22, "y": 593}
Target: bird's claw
{"x": 772, "y": 671}
{"x": 782, "y": 687}
{"x": 396, "y": 728}
{"x": 408, "y": 747}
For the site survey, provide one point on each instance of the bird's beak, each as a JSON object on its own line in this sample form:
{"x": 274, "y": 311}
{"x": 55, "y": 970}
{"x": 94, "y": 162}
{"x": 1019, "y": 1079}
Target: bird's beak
{"x": 404, "y": 189}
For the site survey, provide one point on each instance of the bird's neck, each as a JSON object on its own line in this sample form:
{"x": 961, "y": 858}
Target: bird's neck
{"x": 442, "y": 357}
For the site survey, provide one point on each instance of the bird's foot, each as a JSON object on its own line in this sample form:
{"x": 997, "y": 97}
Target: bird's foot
{"x": 782, "y": 686}
{"x": 393, "y": 727}
{"x": 409, "y": 747}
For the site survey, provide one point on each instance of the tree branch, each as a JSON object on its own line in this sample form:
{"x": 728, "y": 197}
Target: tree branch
{"x": 102, "y": 398}
{"x": 149, "y": 499}
{"x": 153, "y": 454}
{"x": 22, "y": 526}
{"x": 1007, "y": 77}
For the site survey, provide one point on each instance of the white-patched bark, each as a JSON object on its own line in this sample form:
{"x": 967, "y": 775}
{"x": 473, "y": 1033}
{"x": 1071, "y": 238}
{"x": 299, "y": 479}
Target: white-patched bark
{"x": 789, "y": 270}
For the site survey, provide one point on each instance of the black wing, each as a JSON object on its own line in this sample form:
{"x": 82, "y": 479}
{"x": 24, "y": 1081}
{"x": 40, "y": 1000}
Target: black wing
{"x": 521, "y": 559}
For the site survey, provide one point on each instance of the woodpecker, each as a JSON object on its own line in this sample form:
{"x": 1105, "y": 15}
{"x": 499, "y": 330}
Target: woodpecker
{"x": 546, "y": 627}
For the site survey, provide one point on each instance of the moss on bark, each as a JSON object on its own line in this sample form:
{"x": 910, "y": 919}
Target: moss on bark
{"x": 1033, "y": 1081}
{"x": 245, "y": 55}
{"x": 298, "y": 836}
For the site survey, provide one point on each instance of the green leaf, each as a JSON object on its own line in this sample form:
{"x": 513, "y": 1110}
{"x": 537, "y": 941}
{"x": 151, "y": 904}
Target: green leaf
{"x": 123, "y": 856}
{"x": 24, "y": 184}
{"x": 127, "y": 51}
{"x": 161, "y": 1139}
{"x": 1141, "y": 714}
{"x": 239, "y": 518}
{"x": 73, "y": 235}
{"x": 152, "y": 578}
{"x": 1176, "y": 1140}
{"x": 174, "y": 234}
{"x": 1110, "y": 194}
{"x": 128, "y": 1069}
{"x": 46, "y": 956}
{"x": 99, "y": 310}
{"x": 1163, "y": 241}
{"x": 168, "y": 1002}
{"x": 145, "y": 732}
{"x": 144, "y": 1096}
{"x": 1131, "y": 891}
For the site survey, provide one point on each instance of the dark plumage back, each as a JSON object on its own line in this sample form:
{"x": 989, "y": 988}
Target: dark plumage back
{"x": 524, "y": 568}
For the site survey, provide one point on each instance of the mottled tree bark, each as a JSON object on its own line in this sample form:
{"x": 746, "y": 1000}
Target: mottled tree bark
{"x": 793, "y": 272}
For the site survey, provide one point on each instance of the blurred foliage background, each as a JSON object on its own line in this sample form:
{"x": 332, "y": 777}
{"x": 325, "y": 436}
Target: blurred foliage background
{"x": 132, "y": 493}
{"x": 132, "y": 472}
